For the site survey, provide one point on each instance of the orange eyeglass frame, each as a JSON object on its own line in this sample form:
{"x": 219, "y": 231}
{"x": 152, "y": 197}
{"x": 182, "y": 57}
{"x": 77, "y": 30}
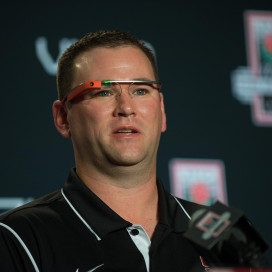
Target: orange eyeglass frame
{"x": 80, "y": 88}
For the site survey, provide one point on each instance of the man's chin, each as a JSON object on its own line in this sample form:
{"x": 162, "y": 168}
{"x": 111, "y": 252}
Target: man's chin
{"x": 127, "y": 160}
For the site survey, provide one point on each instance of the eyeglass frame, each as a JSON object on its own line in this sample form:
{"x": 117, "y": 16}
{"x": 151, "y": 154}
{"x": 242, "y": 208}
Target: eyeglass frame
{"x": 96, "y": 84}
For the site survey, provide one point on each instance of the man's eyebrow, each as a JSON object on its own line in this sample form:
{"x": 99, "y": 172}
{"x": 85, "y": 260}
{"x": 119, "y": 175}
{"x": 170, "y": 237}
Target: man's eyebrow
{"x": 141, "y": 78}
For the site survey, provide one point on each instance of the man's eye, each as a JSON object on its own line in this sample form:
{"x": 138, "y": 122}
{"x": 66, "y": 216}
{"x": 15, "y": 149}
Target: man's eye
{"x": 140, "y": 92}
{"x": 103, "y": 93}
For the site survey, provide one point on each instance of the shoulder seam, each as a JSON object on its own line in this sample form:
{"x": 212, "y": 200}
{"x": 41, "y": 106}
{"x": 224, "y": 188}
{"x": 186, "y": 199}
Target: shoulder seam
{"x": 30, "y": 205}
{"x": 22, "y": 244}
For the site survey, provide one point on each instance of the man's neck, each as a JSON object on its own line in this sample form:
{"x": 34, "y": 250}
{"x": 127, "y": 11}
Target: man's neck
{"x": 137, "y": 203}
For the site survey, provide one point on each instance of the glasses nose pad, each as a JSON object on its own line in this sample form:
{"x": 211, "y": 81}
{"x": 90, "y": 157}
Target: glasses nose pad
{"x": 117, "y": 89}
{"x": 131, "y": 87}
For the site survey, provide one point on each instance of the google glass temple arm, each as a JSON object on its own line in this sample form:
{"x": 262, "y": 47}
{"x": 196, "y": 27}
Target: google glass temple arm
{"x": 81, "y": 88}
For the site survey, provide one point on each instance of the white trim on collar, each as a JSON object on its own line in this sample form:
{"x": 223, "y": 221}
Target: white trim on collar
{"x": 182, "y": 207}
{"x": 79, "y": 216}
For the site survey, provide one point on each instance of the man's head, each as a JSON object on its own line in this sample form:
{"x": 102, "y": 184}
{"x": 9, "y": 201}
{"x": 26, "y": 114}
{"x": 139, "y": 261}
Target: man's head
{"x": 103, "y": 39}
{"x": 109, "y": 131}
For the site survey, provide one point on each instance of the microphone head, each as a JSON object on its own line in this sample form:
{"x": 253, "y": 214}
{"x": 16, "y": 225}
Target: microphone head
{"x": 224, "y": 237}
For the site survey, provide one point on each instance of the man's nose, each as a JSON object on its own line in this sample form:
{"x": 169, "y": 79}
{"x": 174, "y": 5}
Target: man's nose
{"x": 124, "y": 104}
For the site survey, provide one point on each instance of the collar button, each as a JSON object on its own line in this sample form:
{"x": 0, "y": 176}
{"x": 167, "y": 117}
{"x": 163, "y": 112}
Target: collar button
{"x": 134, "y": 232}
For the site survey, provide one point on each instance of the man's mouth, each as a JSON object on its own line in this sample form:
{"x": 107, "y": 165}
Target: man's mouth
{"x": 126, "y": 131}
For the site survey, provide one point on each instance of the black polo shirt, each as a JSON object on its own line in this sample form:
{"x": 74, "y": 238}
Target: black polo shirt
{"x": 73, "y": 230}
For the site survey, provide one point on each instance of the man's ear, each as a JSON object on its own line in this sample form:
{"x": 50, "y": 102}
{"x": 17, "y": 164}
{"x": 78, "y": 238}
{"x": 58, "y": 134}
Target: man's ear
{"x": 60, "y": 118}
{"x": 163, "y": 114}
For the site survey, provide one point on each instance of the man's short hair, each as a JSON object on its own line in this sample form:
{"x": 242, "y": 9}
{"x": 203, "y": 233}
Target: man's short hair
{"x": 103, "y": 38}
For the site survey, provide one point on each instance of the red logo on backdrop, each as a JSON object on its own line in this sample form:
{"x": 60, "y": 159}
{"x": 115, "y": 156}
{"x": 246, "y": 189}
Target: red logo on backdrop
{"x": 253, "y": 85}
{"x": 200, "y": 181}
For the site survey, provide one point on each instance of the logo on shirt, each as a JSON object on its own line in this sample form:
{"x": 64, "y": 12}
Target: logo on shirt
{"x": 91, "y": 269}
{"x": 204, "y": 264}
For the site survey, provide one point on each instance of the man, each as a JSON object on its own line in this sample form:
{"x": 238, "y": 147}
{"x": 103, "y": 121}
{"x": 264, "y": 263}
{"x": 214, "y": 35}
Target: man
{"x": 112, "y": 213}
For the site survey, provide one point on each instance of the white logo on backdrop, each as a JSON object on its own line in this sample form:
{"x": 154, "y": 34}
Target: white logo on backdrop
{"x": 47, "y": 61}
{"x": 8, "y": 203}
{"x": 49, "y": 64}
{"x": 252, "y": 85}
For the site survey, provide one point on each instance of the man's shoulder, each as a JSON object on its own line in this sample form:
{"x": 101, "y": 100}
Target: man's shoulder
{"x": 188, "y": 206}
{"x": 178, "y": 204}
{"x": 28, "y": 212}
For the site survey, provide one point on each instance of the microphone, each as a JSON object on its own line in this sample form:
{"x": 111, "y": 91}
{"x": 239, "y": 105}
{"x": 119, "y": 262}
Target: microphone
{"x": 224, "y": 237}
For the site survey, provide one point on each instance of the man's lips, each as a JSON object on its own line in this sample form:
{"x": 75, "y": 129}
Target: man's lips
{"x": 126, "y": 130}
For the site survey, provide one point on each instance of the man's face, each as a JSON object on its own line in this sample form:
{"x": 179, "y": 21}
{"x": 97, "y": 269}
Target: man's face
{"x": 124, "y": 131}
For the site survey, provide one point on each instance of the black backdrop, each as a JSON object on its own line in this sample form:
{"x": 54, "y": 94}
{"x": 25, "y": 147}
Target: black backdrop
{"x": 198, "y": 44}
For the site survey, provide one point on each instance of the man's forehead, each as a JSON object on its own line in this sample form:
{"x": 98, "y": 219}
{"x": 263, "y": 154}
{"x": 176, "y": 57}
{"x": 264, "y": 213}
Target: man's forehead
{"x": 109, "y": 60}
{"x": 100, "y": 51}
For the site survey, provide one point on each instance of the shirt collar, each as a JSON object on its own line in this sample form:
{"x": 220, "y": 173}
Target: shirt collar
{"x": 103, "y": 220}
{"x": 171, "y": 214}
